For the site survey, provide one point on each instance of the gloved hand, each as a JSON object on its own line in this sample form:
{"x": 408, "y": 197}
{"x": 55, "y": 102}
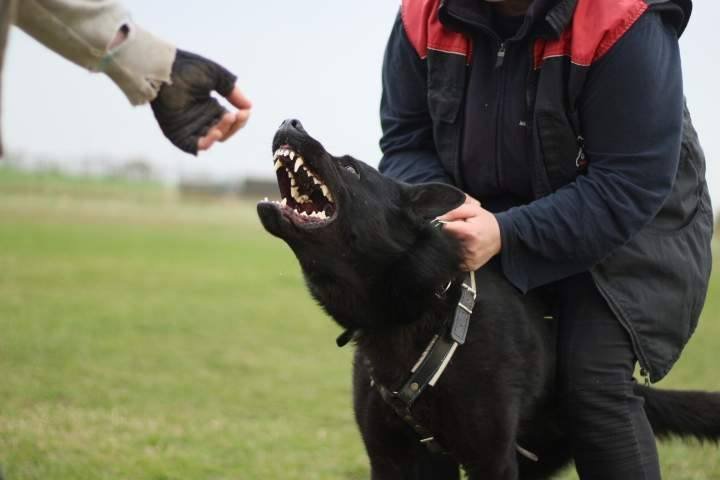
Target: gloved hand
{"x": 186, "y": 112}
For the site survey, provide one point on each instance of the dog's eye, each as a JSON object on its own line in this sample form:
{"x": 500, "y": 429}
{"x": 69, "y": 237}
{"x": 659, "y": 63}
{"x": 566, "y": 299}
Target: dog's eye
{"x": 351, "y": 169}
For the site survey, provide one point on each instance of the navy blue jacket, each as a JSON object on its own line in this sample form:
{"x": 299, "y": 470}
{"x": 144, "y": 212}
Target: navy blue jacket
{"x": 631, "y": 125}
{"x": 574, "y": 132}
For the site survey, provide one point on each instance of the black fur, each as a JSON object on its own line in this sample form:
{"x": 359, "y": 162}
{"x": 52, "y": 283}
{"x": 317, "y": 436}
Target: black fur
{"x": 376, "y": 268}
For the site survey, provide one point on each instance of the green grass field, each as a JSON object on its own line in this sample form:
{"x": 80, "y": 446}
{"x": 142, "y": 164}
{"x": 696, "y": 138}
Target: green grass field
{"x": 145, "y": 338}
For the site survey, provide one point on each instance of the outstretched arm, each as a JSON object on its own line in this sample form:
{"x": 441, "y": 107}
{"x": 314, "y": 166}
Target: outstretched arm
{"x": 101, "y": 36}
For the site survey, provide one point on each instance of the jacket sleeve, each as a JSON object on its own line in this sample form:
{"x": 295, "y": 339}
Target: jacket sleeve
{"x": 81, "y": 30}
{"x": 631, "y": 114}
{"x": 407, "y": 143}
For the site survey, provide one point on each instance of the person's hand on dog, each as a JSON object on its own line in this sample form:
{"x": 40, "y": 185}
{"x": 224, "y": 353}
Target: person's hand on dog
{"x": 187, "y": 113}
{"x": 477, "y": 230}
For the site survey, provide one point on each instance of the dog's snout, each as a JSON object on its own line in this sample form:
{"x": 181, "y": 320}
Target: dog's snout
{"x": 292, "y": 124}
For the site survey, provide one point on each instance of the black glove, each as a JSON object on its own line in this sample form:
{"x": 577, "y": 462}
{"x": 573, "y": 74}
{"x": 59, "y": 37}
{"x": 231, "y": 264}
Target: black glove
{"x": 184, "y": 109}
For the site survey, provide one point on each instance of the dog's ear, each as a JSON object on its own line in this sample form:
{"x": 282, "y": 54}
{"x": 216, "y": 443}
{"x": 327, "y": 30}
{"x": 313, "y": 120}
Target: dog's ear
{"x": 430, "y": 200}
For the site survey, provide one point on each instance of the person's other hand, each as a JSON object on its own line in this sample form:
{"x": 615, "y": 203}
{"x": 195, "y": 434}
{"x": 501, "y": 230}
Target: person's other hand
{"x": 477, "y": 230}
{"x": 187, "y": 113}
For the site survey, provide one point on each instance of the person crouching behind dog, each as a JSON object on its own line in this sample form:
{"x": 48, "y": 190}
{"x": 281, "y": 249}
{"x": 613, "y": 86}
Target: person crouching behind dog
{"x": 565, "y": 123}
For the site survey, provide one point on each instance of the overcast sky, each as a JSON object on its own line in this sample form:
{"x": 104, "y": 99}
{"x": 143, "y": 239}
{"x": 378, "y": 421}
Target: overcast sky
{"x": 317, "y": 61}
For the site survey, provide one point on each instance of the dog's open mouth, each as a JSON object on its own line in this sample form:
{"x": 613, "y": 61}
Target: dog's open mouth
{"x": 305, "y": 198}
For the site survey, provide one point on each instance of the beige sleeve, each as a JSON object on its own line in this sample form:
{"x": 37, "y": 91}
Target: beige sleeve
{"x": 81, "y": 30}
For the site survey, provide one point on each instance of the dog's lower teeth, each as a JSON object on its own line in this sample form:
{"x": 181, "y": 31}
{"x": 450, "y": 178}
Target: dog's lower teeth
{"x": 326, "y": 192}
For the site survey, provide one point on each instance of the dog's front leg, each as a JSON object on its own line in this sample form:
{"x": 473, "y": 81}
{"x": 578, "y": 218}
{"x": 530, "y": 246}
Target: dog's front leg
{"x": 394, "y": 450}
{"x": 495, "y": 464}
{"x": 420, "y": 465}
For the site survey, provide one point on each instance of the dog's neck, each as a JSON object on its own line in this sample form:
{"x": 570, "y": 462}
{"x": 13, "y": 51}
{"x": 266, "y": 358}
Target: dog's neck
{"x": 411, "y": 289}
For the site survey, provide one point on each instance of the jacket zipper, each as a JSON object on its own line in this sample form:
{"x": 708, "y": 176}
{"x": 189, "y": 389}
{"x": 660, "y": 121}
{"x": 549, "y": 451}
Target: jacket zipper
{"x": 502, "y": 49}
{"x": 501, "y": 52}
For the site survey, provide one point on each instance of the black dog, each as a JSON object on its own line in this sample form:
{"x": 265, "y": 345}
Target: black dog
{"x": 373, "y": 259}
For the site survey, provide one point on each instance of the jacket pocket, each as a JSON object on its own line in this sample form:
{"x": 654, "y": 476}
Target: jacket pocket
{"x": 444, "y": 104}
{"x": 559, "y": 143}
{"x": 446, "y": 77}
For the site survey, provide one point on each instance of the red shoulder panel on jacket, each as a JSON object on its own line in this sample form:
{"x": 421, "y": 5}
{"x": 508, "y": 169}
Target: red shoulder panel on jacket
{"x": 596, "y": 27}
{"x": 425, "y": 32}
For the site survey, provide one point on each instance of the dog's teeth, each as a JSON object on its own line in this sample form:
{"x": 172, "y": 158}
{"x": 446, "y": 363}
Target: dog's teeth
{"x": 283, "y": 202}
{"x": 326, "y": 192}
{"x": 295, "y": 192}
{"x": 278, "y": 165}
{"x": 315, "y": 180}
{"x": 298, "y": 163}
{"x": 322, "y": 215}
{"x": 303, "y": 199}
{"x": 292, "y": 155}
{"x": 292, "y": 181}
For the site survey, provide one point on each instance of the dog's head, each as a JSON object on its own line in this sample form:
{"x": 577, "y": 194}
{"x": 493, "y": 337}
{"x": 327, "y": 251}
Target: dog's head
{"x": 364, "y": 241}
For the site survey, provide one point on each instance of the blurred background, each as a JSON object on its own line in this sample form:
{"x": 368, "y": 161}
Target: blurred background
{"x": 149, "y": 327}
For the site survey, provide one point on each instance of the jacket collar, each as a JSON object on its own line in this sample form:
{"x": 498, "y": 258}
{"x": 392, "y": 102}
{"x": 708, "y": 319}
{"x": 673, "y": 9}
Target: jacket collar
{"x": 547, "y": 17}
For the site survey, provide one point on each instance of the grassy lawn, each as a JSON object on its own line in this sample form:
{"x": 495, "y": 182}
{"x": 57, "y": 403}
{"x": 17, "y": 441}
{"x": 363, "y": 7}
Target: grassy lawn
{"x": 146, "y": 338}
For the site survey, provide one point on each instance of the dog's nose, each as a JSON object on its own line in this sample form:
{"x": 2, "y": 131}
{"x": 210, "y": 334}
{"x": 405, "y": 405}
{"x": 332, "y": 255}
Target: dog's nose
{"x": 292, "y": 124}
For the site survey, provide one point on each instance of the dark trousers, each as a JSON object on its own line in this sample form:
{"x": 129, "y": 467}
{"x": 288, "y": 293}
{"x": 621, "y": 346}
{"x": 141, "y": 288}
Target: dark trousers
{"x": 610, "y": 434}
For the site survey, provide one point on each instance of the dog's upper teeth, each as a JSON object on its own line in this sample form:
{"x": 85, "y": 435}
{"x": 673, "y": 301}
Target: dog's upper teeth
{"x": 303, "y": 198}
{"x": 298, "y": 163}
{"x": 292, "y": 181}
{"x": 315, "y": 180}
{"x": 278, "y": 165}
{"x": 283, "y": 202}
{"x": 295, "y": 192}
{"x": 292, "y": 154}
